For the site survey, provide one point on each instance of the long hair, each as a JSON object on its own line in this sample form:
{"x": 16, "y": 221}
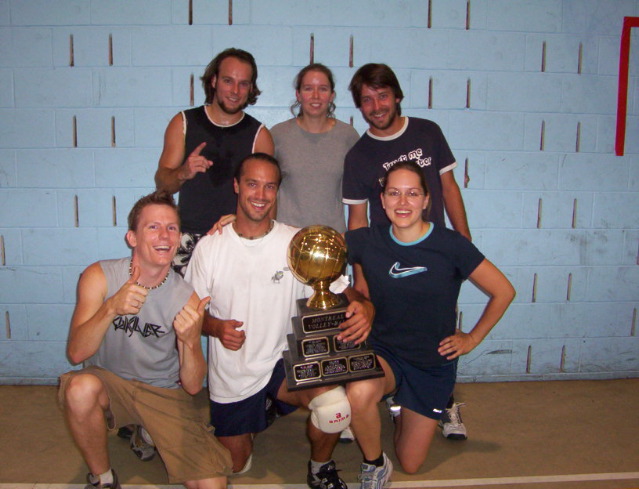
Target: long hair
{"x": 213, "y": 70}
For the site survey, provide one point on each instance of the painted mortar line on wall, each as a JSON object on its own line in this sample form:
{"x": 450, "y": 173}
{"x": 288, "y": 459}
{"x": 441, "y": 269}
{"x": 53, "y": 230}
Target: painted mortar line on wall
{"x": 466, "y": 173}
{"x": 114, "y": 210}
{"x": 574, "y": 213}
{"x": 467, "y": 14}
{"x": 76, "y": 211}
{"x": 350, "y": 51}
{"x": 312, "y": 49}
{"x": 192, "y": 90}
{"x": 543, "y": 57}
{"x": 71, "y": 56}
{"x": 74, "y": 131}
{"x": 580, "y": 58}
{"x": 110, "y": 49}
{"x": 230, "y": 12}
{"x": 430, "y": 92}
{"x": 540, "y": 204}
{"x": 569, "y": 288}
{"x": 578, "y": 142}
{"x": 113, "y": 131}
{"x": 543, "y": 134}
{"x": 7, "y": 324}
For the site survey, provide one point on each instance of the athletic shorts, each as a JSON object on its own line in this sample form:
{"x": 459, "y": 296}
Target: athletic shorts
{"x": 175, "y": 420}
{"x": 249, "y": 415}
{"x": 423, "y": 390}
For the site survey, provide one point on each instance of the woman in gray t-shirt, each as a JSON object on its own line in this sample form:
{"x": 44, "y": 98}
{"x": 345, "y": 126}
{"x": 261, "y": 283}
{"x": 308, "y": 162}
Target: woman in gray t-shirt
{"x": 311, "y": 148}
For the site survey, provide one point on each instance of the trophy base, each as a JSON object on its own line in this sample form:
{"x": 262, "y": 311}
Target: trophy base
{"x": 304, "y": 373}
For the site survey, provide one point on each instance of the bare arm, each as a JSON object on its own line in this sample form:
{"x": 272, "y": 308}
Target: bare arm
{"x": 171, "y": 173}
{"x": 264, "y": 142}
{"x": 188, "y": 326}
{"x": 93, "y": 314}
{"x": 501, "y": 293}
{"x": 357, "y": 216}
{"x": 454, "y": 204}
{"x": 224, "y": 330}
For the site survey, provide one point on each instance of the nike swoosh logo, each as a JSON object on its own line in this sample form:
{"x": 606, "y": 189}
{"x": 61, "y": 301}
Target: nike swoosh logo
{"x": 397, "y": 272}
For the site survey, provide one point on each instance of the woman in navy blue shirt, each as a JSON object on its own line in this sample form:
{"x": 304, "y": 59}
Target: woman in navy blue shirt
{"x": 414, "y": 271}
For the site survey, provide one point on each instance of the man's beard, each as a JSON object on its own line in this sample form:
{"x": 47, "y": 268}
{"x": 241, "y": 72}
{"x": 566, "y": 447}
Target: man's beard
{"x": 228, "y": 111}
{"x": 391, "y": 119}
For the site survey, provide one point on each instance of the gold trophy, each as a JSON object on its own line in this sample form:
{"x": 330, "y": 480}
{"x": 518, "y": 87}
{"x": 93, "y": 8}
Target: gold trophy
{"x": 316, "y": 257}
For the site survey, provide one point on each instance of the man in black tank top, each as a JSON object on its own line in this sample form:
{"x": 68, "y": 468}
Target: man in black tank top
{"x": 203, "y": 145}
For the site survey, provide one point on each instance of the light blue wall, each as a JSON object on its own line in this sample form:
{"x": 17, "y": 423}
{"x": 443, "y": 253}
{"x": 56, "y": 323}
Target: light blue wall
{"x": 564, "y": 214}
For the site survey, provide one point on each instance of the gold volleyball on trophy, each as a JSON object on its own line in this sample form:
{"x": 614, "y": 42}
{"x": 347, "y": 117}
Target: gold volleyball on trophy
{"x": 315, "y": 355}
{"x": 317, "y": 256}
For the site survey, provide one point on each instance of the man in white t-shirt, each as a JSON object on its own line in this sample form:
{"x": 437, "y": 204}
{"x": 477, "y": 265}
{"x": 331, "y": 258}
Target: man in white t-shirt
{"x": 253, "y": 297}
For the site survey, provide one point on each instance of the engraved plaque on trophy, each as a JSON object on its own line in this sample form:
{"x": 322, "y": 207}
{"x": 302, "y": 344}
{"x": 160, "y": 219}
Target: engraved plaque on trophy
{"x": 316, "y": 257}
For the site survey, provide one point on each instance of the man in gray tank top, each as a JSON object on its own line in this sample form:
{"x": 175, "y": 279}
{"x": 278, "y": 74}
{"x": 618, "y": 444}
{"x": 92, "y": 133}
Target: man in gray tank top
{"x": 137, "y": 326}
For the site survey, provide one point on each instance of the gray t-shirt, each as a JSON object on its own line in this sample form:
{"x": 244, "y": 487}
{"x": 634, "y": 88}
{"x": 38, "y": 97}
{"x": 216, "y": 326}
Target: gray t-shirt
{"x": 312, "y": 168}
{"x": 143, "y": 347}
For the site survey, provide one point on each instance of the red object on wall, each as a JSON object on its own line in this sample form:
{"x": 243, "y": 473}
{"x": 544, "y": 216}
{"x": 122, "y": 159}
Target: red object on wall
{"x": 622, "y": 95}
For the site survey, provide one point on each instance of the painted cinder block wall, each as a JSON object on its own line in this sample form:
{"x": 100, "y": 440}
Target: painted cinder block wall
{"x": 525, "y": 90}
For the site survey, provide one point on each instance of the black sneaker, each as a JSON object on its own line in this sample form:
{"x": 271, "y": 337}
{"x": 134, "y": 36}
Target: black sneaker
{"x": 326, "y": 478}
{"x": 96, "y": 485}
{"x": 126, "y": 431}
{"x": 272, "y": 413}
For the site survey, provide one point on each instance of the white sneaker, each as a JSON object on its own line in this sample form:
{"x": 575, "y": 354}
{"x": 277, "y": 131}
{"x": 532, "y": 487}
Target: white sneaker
{"x": 373, "y": 477}
{"x": 247, "y": 466}
{"x": 347, "y": 436}
{"x": 451, "y": 423}
{"x": 394, "y": 410}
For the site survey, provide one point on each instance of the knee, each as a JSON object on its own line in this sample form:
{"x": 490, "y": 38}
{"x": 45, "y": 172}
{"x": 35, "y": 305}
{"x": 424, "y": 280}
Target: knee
{"x": 331, "y": 411}
{"x": 215, "y": 483}
{"x": 362, "y": 395}
{"x": 82, "y": 392}
{"x": 409, "y": 466}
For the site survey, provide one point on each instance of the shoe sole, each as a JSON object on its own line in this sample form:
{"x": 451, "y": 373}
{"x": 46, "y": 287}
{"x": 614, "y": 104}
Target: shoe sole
{"x": 345, "y": 441}
{"x": 456, "y": 436}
